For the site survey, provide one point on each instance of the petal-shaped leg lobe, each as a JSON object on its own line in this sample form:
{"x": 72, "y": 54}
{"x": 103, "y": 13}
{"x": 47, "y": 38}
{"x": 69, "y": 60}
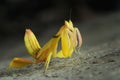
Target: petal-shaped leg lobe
{"x": 65, "y": 43}
{"x": 31, "y": 43}
{"x": 19, "y": 63}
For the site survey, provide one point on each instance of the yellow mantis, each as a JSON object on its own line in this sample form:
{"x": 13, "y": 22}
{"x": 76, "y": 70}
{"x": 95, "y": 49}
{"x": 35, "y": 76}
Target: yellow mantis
{"x": 69, "y": 38}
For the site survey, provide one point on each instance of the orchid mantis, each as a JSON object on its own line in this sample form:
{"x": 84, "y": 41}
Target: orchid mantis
{"x": 69, "y": 36}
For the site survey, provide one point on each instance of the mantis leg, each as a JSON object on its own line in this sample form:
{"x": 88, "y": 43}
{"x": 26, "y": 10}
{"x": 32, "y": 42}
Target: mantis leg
{"x": 47, "y": 61}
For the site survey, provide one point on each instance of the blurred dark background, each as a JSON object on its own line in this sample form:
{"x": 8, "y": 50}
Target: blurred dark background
{"x": 16, "y": 15}
{"x": 45, "y": 17}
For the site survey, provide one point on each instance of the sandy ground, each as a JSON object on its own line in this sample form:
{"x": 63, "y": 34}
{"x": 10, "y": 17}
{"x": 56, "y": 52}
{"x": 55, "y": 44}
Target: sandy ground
{"x": 98, "y": 59}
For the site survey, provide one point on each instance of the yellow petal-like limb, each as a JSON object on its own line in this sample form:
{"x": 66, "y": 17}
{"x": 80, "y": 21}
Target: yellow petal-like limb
{"x": 31, "y": 43}
{"x": 65, "y": 43}
{"x": 72, "y": 36}
{"x": 48, "y": 51}
{"x": 79, "y": 37}
{"x": 50, "y": 46}
{"x": 47, "y": 61}
{"x": 19, "y": 63}
{"x": 67, "y": 47}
